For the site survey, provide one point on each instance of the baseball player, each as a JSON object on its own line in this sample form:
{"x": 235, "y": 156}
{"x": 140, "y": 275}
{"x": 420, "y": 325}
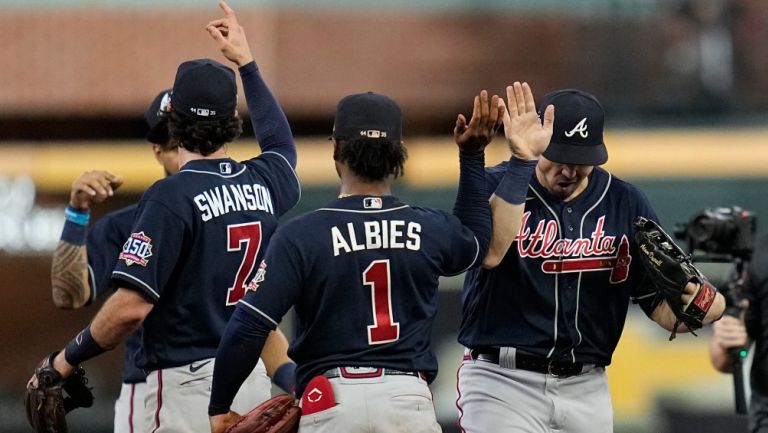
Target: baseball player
{"x": 542, "y": 318}
{"x": 83, "y": 261}
{"x": 195, "y": 240}
{"x": 362, "y": 274}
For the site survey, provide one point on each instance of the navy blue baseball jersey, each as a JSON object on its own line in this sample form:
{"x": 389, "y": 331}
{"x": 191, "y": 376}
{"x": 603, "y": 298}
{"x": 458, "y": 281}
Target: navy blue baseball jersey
{"x": 197, "y": 240}
{"x": 563, "y": 289}
{"x": 104, "y": 242}
{"x": 362, "y": 274}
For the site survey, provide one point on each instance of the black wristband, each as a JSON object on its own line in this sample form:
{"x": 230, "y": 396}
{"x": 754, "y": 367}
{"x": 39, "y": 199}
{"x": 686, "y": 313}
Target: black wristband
{"x": 514, "y": 186}
{"x": 73, "y": 233}
{"x": 285, "y": 377}
{"x": 82, "y": 348}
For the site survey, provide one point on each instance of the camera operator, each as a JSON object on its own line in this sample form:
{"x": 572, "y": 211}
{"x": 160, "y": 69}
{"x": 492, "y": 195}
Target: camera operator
{"x": 732, "y": 333}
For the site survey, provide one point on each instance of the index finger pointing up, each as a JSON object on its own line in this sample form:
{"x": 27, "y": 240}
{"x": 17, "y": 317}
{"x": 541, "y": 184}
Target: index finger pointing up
{"x": 227, "y": 10}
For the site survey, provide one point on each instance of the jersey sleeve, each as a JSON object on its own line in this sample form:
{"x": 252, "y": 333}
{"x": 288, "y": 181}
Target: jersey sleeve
{"x": 493, "y": 176}
{"x": 278, "y": 281}
{"x": 461, "y": 249}
{"x": 273, "y": 133}
{"x": 280, "y": 178}
{"x": 149, "y": 255}
{"x": 104, "y": 242}
{"x": 472, "y": 207}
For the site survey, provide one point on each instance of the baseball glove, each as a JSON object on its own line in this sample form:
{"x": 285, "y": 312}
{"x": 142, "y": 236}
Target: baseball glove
{"x": 670, "y": 270}
{"x": 279, "y": 414}
{"x": 53, "y": 397}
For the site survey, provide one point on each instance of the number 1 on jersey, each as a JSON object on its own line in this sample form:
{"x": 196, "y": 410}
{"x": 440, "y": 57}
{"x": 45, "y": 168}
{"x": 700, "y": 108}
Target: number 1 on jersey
{"x": 237, "y": 235}
{"x": 384, "y": 328}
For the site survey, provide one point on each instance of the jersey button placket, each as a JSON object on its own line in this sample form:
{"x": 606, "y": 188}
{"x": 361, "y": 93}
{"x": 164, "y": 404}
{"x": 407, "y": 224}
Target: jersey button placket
{"x": 565, "y": 218}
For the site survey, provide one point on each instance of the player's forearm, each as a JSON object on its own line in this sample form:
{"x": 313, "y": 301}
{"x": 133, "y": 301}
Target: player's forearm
{"x": 69, "y": 268}
{"x": 120, "y": 316}
{"x": 270, "y": 126}
{"x": 508, "y": 206}
{"x": 665, "y": 317}
{"x": 275, "y": 352}
{"x": 506, "y": 225}
{"x": 69, "y": 276}
{"x": 280, "y": 368}
{"x": 239, "y": 351}
{"x": 471, "y": 205}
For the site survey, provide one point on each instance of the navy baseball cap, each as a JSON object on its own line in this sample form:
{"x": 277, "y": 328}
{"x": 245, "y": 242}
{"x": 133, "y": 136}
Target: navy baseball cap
{"x": 155, "y": 116}
{"x": 577, "y": 136}
{"x": 368, "y": 115}
{"x": 204, "y": 89}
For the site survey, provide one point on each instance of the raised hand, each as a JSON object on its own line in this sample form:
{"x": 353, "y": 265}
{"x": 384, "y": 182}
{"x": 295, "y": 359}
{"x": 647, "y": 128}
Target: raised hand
{"x": 93, "y": 187}
{"x": 526, "y": 136}
{"x": 230, "y": 36}
{"x": 486, "y": 120}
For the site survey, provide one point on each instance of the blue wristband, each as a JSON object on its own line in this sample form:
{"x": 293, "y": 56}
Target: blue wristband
{"x": 82, "y": 348}
{"x": 514, "y": 186}
{"x": 77, "y": 216}
{"x": 285, "y": 377}
{"x": 73, "y": 233}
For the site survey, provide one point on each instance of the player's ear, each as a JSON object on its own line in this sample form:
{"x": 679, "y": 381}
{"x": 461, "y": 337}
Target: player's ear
{"x": 336, "y": 149}
{"x": 157, "y": 150}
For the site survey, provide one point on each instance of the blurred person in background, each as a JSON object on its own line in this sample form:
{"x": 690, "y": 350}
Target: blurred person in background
{"x": 192, "y": 246}
{"x": 699, "y": 56}
{"x": 734, "y": 333}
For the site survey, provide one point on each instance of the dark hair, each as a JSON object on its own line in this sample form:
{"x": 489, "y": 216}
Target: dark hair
{"x": 203, "y": 136}
{"x": 158, "y": 134}
{"x": 372, "y": 159}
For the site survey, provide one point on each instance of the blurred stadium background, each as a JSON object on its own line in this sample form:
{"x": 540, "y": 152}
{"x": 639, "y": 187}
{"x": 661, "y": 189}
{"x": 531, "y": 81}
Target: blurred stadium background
{"x": 683, "y": 83}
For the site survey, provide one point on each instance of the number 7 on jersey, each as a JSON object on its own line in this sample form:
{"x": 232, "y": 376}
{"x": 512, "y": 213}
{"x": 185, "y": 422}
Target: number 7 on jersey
{"x": 243, "y": 236}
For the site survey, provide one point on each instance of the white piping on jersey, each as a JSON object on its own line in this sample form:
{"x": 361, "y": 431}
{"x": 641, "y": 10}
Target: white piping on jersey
{"x": 92, "y": 280}
{"x": 578, "y": 282}
{"x": 557, "y": 276}
{"x": 477, "y": 254}
{"x": 258, "y": 311}
{"x": 295, "y": 176}
{"x": 142, "y": 283}
{"x": 363, "y": 211}
{"x": 228, "y": 176}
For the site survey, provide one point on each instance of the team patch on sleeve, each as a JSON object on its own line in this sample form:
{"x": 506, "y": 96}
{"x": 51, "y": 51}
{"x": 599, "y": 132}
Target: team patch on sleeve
{"x": 137, "y": 249}
{"x": 259, "y": 277}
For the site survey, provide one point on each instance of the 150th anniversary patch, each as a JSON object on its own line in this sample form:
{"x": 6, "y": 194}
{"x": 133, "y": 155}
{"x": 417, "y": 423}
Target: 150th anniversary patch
{"x": 137, "y": 249}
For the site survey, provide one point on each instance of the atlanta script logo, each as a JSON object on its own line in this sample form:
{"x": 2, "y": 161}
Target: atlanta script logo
{"x": 543, "y": 242}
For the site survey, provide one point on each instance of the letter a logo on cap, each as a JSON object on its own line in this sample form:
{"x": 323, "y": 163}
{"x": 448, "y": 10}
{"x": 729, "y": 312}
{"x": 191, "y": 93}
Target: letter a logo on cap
{"x": 580, "y": 127}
